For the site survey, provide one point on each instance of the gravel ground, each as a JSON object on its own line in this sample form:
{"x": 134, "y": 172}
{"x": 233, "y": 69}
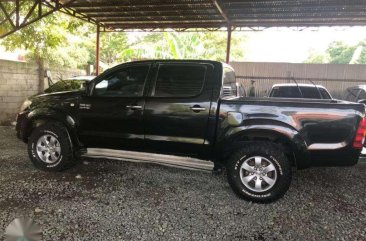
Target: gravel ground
{"x": 115, "y": 200}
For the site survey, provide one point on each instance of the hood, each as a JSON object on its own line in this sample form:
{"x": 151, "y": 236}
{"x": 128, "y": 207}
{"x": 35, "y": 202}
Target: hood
{"x": 55, "y": 99}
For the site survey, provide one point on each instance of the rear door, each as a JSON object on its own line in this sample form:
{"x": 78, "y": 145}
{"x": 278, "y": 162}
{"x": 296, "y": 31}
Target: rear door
{"x": 177, "y": 108}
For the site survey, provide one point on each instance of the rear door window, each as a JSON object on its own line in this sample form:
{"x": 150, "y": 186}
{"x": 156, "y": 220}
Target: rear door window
{"x": 179, "y": 80}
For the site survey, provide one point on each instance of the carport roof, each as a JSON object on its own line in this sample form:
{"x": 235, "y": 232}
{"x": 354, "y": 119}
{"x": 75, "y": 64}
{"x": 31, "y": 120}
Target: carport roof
{"x": 211, "y": 14}
{"x": 180, "y": 15}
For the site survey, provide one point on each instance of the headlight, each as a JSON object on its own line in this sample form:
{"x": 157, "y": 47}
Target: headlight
{"x": 25, "y": 105}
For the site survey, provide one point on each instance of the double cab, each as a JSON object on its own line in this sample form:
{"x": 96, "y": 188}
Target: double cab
{"x": 192, "y": 108}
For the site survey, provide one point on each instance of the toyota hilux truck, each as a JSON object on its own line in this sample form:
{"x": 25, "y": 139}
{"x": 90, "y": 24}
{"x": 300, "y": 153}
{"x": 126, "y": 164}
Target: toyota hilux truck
{"x": 191, "y": 108}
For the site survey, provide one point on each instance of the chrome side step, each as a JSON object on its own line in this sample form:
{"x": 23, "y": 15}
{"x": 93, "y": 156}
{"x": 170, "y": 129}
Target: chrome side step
{"x": 166, "y": 160}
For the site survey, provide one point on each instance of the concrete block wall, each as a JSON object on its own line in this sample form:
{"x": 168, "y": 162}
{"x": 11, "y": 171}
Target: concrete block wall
{"x": 18, "y": 80}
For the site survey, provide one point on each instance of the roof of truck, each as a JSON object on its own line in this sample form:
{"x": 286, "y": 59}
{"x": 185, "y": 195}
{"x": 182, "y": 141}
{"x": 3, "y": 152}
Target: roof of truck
{"x": 297, "y": 85}
{"x": 357, "y": 86}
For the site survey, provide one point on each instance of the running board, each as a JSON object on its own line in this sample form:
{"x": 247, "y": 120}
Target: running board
{"x": 166, "y": 160}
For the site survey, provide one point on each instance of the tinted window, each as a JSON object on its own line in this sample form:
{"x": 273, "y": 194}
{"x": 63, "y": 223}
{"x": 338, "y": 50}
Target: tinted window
{"x": 126, "y": 82}
{"x": 285, "y": 92}
{"x": 174, "y": 80}
{"x": 229, "y": 88}
{"x": 352, "y": 94}
{"x": 294, "y": 92}
{"x": 310, "y": 92}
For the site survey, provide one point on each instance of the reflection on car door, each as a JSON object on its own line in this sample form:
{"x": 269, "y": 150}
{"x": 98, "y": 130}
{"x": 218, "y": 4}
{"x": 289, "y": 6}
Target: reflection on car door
{"x": 112, "y": 116}
{"x": 177, "y": 108}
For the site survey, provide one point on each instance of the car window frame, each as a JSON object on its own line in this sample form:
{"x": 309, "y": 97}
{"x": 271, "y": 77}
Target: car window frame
{"x": 155, "y": 78}
{"x": 115, "y": 70}
{"x": 326, "y": 92}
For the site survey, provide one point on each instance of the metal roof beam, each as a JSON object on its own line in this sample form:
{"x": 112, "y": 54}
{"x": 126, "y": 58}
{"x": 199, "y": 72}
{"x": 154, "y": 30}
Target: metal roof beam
{"x": 132, "y": 10}
{"x": 51, "y": 5}
{"x": 151, "y": 13}
{"x": 220, "y": 7}
{"x": 122, "y": 3}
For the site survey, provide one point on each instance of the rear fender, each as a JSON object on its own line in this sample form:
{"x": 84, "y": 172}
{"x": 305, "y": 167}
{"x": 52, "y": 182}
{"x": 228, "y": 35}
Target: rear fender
{"x": 288, "y": 138}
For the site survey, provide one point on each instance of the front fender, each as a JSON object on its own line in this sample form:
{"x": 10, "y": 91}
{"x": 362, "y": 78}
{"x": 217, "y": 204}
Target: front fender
{"x": 47, "y": 114}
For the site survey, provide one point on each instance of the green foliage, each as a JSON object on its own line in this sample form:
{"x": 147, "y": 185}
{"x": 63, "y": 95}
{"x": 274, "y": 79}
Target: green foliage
{"x": 340, "y": 53}
{"x": 61, "y": 40}
{"x": 114, "y": 48}
{"x": 200, "y": 45}
{"x": 48, "y": 39}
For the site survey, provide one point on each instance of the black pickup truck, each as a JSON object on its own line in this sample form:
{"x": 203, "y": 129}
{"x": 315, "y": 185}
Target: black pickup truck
{"x": 191, "y": 108}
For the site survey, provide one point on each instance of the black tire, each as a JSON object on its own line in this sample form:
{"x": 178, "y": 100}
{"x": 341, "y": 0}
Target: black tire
{"x": 272, "y": 153}
{"x": 65, "y": 157}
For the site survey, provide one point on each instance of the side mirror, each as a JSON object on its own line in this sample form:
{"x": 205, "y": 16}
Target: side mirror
{"x": 362, "y": 101}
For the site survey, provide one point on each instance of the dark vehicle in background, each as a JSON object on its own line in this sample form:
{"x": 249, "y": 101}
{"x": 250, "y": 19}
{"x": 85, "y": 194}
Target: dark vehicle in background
{"x": 186, "y": 108}
{"x": 307, "y": 91}
{"x": 356, "y": 94}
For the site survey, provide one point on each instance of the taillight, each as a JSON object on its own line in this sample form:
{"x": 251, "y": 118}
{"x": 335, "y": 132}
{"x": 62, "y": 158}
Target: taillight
{"x": 360, "y": 136}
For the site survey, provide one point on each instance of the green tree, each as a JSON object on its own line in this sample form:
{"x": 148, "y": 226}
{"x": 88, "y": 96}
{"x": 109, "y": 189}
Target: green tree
{"x": 49, "y": 39}
{"x": 188, "y": 45}
{"x": 340, "y": 53}
{"x": 115, "y": 48}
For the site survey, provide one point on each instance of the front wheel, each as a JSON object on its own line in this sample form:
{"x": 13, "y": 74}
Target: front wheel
{"x": 259, "y": 172}
{"x": 50, "y": 147}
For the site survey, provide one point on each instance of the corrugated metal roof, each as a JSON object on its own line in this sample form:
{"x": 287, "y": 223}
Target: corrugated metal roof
{"x": 160, "y": 14}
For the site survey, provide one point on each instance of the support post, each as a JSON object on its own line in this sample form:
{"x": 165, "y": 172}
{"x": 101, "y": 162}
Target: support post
{"x": 97, "y": 53}
{"x": 17, "y": 13}
{"x": 228, "y": 46}
{"x": 41, "y": 69}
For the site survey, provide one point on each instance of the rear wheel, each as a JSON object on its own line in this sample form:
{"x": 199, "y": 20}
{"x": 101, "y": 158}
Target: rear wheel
{"x": 50, "y": 148}
{"x": 259, "y": 172}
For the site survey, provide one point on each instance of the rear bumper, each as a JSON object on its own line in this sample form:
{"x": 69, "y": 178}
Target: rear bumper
{"x": 346, "y": 156}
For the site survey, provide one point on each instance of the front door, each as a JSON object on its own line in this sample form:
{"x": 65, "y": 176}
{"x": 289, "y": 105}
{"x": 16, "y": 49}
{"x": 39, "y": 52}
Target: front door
{"x": 111, "y": 117}
{"x": 177, "y": 109}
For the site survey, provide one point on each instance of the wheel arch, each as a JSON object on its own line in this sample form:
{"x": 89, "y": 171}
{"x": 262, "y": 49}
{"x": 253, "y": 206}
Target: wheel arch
{"x": 288, "y": 140}
{"x": 40, "y": 117}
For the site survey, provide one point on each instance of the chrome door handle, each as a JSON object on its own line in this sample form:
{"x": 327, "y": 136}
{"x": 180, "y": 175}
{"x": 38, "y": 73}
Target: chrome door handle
{"x": 134, "y": 107}
{"x": 197, "y": 108}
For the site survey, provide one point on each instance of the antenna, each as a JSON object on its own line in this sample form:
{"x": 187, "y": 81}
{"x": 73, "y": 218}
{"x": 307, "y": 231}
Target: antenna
{"x": 317, "y": 88}
{"x": 293, "y": 79}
